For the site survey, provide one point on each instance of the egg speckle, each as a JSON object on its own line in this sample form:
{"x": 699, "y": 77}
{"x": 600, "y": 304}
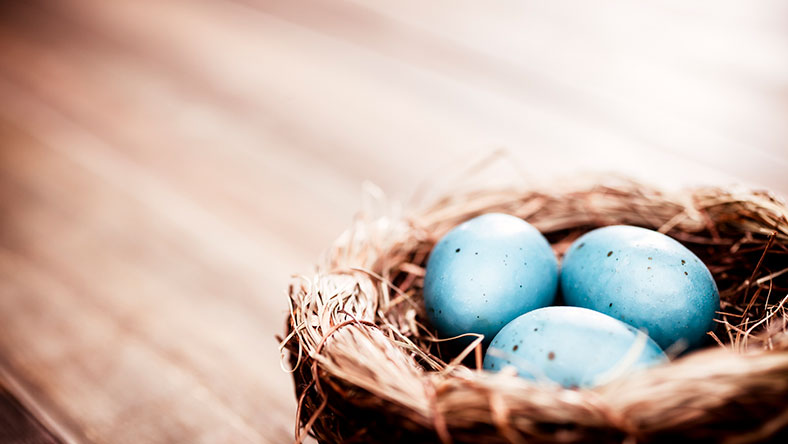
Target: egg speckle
{"x": 511, "y": 270}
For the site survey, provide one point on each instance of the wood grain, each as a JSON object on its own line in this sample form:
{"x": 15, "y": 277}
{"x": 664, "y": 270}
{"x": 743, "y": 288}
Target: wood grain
{"x": 166, "y": 166}
{"x": 18, "y": 425}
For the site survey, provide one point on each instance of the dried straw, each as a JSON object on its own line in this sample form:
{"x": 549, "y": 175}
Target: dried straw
{"x": 368, "y": 368}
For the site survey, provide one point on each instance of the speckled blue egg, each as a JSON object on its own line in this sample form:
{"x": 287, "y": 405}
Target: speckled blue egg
{"x": 573, "y": 346}
{"x": 486, "y": 272}
{"x": 645, "y": 279}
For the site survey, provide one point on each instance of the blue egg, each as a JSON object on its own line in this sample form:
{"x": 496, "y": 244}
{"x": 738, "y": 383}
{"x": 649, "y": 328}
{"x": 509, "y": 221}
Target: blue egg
{"x": 645, "y": 279}
{"x": 573, "y": 346}
{"x": 486, "y": 272}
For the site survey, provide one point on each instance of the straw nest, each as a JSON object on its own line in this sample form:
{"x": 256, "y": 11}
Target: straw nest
{"x": 368, "y": 367}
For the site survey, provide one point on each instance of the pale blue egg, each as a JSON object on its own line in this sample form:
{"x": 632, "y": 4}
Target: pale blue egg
{"x": 486, "y": 272}
{"x": 645, "y": 279}
{"x": 573, "y": 346}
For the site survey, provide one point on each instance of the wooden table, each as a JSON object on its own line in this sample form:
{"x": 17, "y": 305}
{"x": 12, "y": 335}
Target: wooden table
{"x": 166, "y": 166}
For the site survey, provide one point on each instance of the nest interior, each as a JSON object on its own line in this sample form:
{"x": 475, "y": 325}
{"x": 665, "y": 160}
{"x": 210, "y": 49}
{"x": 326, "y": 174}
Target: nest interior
{"x": 368, "y": 367}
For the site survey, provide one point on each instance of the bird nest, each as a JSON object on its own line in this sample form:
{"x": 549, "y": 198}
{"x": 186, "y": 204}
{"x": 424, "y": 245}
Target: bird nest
{"x": 369, "y": 368}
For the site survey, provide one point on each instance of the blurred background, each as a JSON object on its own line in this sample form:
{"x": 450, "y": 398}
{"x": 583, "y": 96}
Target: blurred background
{"x": 166, "y": 166}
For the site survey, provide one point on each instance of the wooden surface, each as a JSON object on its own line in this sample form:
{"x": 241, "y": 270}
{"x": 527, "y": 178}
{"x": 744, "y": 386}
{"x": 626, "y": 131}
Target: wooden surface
{"x": 166, "y": 166}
